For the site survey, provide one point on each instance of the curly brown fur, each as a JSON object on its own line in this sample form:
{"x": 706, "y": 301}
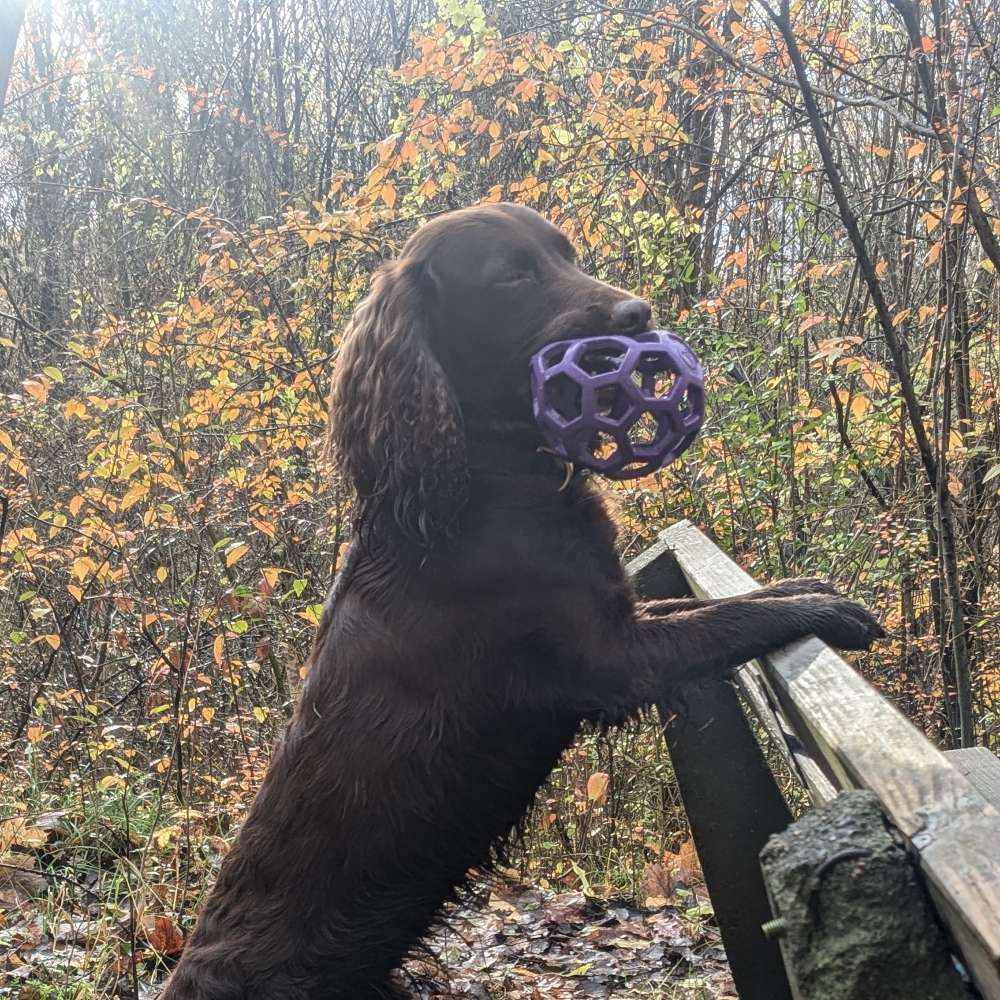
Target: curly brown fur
{"x": 395, "y": 426}
{"x": 481, "y": 617}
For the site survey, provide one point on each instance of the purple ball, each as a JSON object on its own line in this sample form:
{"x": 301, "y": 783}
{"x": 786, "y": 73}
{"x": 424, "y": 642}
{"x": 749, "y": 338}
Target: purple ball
{"x": 623, "y": 406}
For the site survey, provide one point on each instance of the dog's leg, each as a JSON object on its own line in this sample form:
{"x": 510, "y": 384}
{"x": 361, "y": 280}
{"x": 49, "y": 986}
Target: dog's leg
{"x": 783, "y": 588}
{"x": 657, "y": 656}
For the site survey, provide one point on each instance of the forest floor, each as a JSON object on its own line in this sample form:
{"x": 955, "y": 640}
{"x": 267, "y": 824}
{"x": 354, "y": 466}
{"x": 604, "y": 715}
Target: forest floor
{"x": 526, "y": 943}
{"x": 507, "y": 942}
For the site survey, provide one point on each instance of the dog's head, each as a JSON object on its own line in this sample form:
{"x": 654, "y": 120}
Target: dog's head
{"x": 443, "y": 341}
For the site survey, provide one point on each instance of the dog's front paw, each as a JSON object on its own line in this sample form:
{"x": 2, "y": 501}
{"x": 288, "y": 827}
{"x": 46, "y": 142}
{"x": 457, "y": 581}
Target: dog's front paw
{"x": 845, "y": 625}
{"x": 799, "y": 586}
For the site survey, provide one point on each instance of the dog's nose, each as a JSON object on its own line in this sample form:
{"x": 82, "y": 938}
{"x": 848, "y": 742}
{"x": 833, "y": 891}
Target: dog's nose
{"x": 631, "y": 316}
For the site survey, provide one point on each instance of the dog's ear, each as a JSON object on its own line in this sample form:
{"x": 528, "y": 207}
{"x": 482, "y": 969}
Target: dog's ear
{"x": 395, "y": 426}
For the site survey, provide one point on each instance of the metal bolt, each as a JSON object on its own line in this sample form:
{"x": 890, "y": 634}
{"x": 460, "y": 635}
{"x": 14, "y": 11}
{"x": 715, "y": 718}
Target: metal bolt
{"x": 776, "y": 928}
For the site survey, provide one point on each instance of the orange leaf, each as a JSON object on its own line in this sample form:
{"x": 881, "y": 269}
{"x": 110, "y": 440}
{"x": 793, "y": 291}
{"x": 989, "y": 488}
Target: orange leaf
{"x": 236, "y": 553}
{"x": 597, "y": 786}
{"x": 163, "y": 935}
{"x": 82, "y": 567}
{"x": 36, "y": 389}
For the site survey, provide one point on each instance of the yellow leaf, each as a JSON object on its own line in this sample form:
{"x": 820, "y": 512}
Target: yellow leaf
{"x": 35, "y": 734}
{"x": 271, "y": 575}
{"x": 259, "y": 713}
{"x": 6, "y": 441}
{"x": 74, "y": 408}
{"x": 82, "y": 567}
{"x": 310, "y": 237}
{"x": 74, "y": 505}
{"x": 958, "y": 215}
{"x": 860, "y": 405}
{"x": 388, "y": 194}
{"x": 16, "y": 833}
{"x": 881, "y": 267}
{"x": 219, "y": 649}
{"x": 597, "y": 786}
{"x": 161, "y": 573}
{"x": 208, "y": 714}
{"x": 236, "y": 553}
{"x": 915, "y": 149}
{"x": 875, "y": 376}
{"x": 133, "y": 495}
{"x": 110, "y": 781}
{"x": 165, "y": 834}
{"x": 75, "y": 592}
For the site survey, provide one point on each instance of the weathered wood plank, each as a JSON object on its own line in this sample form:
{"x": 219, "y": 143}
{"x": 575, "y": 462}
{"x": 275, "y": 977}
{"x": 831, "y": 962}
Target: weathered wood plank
{"x": 732, "y": 802}
{"x": 866, "y": 743}
{"x": 982, "y": 768}
{"x": 754, "y": 688}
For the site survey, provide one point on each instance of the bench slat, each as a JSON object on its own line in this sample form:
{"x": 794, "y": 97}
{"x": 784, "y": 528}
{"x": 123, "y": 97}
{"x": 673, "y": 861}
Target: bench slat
{"x": 982, "y": 768}
{"x": 865, "y": 742}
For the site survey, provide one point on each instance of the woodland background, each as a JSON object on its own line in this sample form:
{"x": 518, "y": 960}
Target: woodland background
{"x": 193, "y": 196}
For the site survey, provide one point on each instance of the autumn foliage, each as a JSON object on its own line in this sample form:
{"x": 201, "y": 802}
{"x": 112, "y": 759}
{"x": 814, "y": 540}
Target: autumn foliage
{"x": 192, "y": 201}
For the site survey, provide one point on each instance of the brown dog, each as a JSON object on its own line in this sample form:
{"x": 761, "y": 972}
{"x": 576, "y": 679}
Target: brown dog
{"x": 483, "y": 614}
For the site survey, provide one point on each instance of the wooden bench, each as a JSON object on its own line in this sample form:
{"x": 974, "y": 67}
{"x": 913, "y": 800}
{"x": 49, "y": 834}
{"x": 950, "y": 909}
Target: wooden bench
{"x": 835, "y": 733}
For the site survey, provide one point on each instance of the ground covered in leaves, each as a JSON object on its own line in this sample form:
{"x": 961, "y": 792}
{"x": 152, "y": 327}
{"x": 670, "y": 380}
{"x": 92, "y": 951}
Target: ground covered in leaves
{"x": 518, "y": 941}
{"x": 509, "y": 940}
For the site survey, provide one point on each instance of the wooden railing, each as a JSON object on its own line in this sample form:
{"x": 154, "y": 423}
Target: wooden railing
{"x": 835, "y": 733}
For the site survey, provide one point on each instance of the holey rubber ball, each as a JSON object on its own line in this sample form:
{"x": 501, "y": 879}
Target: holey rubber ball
{"x": 622, "y": 406}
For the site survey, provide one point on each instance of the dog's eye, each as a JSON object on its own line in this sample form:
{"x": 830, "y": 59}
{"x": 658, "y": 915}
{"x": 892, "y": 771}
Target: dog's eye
{"x": 516, "y": 277}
